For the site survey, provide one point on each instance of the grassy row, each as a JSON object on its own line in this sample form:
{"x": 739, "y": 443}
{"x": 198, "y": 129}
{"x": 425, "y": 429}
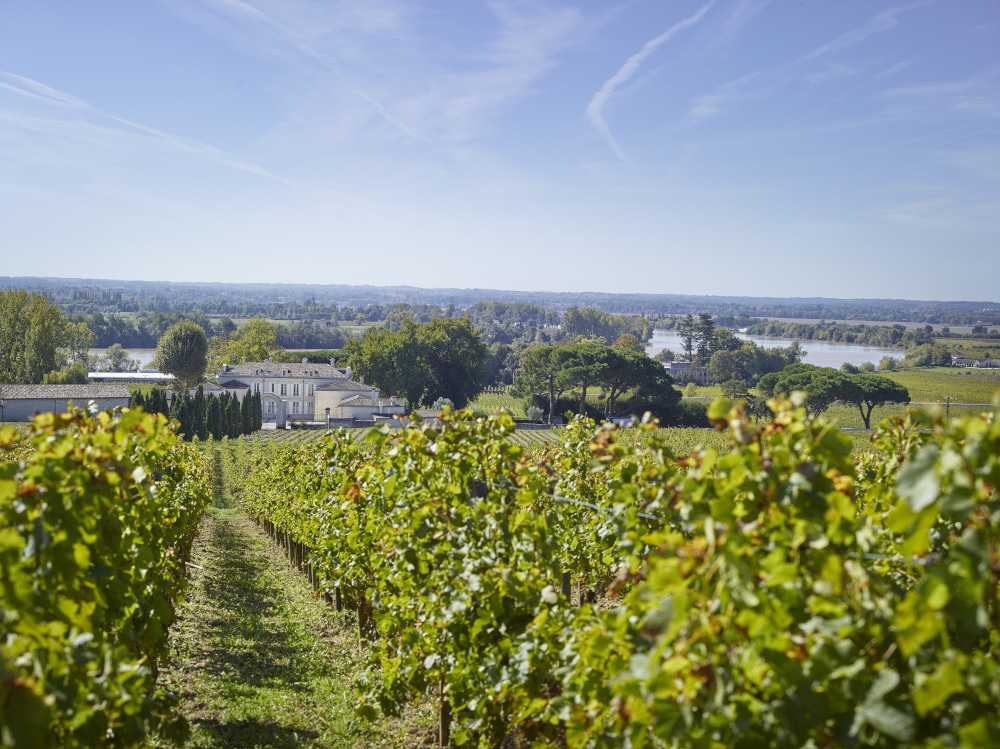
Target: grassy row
{"x": 259, "y": 661}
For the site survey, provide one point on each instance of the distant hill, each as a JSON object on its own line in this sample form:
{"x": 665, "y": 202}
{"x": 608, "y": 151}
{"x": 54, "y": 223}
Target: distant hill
{"x": 225, "y": 298}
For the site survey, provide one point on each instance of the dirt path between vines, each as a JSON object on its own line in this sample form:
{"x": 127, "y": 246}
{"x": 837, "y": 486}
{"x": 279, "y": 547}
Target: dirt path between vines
{"x": 257, "y": 660}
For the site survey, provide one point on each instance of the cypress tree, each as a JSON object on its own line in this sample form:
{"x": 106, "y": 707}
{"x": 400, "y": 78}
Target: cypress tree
{"x": 213, "y": 418}
{"x": 187, "y": 416}
{"x": 137, "y": 400}
{"x": 174, "y": 412}
{"x": 224, "y": 413}
{"x": 180, "y": 411}
{"x": 246, "y": 414}
{"x": 258, "y": 410}
{"x": 155, "y": 402}
{"x": 199, "y": 414}
{"x": 235, "y": 418}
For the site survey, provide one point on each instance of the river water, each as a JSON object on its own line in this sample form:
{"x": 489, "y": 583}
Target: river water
{"x": 144, "y": 355}
{"x": 820, "y": 353}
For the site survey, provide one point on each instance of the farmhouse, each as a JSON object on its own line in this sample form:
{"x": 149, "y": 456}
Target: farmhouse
{"x": 303, "y": 391}
{"x": 22, "y": 402}
{"x": 960, "y": 360}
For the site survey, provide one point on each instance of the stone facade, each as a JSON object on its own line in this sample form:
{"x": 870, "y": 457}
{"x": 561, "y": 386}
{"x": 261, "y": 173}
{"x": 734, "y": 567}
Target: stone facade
{"x": 303, "y": 391}
{"x": 685, "y": 371}
{"x": 287, "y": 391}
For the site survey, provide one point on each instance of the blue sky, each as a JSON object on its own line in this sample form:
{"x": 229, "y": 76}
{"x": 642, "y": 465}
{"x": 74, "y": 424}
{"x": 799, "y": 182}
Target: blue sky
{"x": 784, "y": 148}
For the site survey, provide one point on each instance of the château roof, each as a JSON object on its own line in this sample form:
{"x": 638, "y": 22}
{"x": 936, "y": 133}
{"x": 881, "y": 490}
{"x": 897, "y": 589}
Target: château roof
{"x": 335, "y": 387}
{"x": 284, "y": 369}
{"x": 359, "y": 400}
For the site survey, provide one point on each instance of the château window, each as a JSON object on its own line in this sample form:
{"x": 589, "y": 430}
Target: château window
{"x": 295, "y": 389}
{"x": 310, "y": 387}
{"x": 284, "y": 389}
{"x": 272, "y": 387}
{"x": 295, "y": 407}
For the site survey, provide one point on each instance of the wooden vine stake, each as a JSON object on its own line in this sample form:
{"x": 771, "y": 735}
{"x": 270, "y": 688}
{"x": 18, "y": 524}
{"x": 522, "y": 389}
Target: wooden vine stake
{"x": 444, "y": 717}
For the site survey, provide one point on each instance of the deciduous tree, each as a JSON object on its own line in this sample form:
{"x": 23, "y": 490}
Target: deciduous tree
{"x": 182, "y": 351}
{"x": 443, "y": 358}
{"x": 33, "y": 333}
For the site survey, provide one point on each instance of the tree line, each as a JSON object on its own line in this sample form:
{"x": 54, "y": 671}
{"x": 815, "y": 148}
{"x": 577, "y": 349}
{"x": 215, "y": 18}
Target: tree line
{"x": 824, "y": 385}
{"x": 205, "y": 416}
{"x": 303, "y": 301}
{"x": 37, "y": 342}
{"x": 629, "y": 380}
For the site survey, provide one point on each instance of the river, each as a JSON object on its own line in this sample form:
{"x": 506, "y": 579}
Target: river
{"x": 820, "y": 353}
{"x": 144, "y": 355}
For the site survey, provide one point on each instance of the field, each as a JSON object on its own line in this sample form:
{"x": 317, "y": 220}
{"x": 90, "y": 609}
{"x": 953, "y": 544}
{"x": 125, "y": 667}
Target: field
{"x": 925, "y": 386}
{"x": 936, "y": 384}
{"x": 974, "y": 347}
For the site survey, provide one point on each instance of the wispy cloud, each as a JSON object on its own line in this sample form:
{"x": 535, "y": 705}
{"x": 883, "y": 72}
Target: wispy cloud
{"x": 719, "y": 101}
{"x": 87, "y": 115}
{"x": 388, "y": 56}
{"x": 890, "y": 71}
{"x": 977, "y": 95}
{"x": 595, "y": 109}
{"x": 884, "y": 21}
{"x": 832, "y": 71}
{"x": 738, "y": 19}
{"x": 322, "y": 37}
{"x": 526, "y": 45}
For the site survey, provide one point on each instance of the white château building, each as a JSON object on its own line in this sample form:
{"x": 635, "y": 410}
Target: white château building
{"x": 304, "y": 391}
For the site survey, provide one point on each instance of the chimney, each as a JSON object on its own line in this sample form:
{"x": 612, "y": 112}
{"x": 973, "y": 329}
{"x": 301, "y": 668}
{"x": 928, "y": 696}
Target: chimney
{"x": 305, "y": 360}
{"x": 361, "y": 379}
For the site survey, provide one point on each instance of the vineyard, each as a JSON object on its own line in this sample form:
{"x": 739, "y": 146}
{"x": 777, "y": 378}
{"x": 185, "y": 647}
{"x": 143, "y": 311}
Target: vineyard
{"x": 775, "y": 593}
{"x": 935, "y": 386}
{"x": 760, "y": 585}
{"x": 97, "y": 515}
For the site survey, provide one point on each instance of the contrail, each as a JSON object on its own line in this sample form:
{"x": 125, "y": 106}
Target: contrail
{"x": 32, "y": 89}
{"x": 595, "y": 110}
{"x": 290, "y": 37}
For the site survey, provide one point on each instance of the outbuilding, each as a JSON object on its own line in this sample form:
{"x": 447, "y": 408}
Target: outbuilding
{"x": 22, "y": 402}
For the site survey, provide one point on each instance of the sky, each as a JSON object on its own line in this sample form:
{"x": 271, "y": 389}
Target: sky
{"x": 789, "y": 148}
